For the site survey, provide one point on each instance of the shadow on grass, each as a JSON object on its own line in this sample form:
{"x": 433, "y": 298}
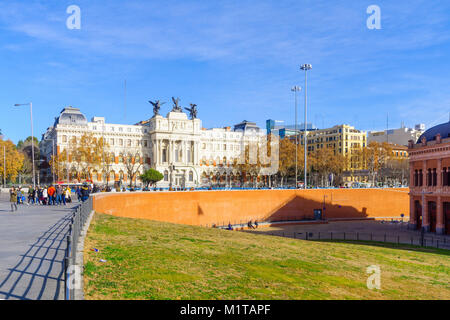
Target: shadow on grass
{"x": 391, "y": 245}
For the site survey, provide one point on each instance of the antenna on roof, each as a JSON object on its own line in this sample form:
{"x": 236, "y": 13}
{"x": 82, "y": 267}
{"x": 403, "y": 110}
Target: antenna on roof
{"x": 387, "y": 127}
{"x": 125, "y": 101}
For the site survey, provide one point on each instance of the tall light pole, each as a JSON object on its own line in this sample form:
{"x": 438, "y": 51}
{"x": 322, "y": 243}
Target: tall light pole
{"x": 296, "y": 89}
{"x": 306, "y": 67}
{"x": 4, "y": 166}
{"x": 32, "y": 138}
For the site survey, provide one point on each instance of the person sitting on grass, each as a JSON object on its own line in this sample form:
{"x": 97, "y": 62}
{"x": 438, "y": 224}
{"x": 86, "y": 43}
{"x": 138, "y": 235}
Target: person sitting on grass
{"x": 250, "y": 225}
{"x": 256, "y": 224}
{"x": 229, "y": 226}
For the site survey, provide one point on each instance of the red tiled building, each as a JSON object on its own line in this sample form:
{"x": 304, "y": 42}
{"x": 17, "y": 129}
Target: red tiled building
{"x": 430, "y": 180}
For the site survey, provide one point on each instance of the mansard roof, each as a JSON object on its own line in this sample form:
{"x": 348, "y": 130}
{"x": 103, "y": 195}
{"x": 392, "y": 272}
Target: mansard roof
{"x": 70, "y": 115}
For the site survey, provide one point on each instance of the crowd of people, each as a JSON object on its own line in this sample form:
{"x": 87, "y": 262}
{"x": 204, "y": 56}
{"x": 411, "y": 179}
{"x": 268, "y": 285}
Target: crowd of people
{"x": 51, "y": 195}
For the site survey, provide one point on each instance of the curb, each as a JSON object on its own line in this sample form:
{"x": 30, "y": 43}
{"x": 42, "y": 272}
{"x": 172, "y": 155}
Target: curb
{"x": 79, "y": 293}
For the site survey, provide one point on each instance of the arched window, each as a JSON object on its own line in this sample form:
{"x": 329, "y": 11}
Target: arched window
{"x": 166, "y": 175}
{"x": 189, "y": 155}
{"x": 191, "y": 176}
{"x": 120, "y": 158}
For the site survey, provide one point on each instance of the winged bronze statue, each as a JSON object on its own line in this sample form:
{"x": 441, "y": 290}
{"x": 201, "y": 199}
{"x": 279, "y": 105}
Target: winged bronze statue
{"x": 176, "y": 106}
{"x": 156, "y": 106}
{"x": 192, "y": 111}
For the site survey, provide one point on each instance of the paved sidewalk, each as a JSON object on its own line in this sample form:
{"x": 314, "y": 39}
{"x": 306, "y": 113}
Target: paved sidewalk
{"x": 32, "y": 246}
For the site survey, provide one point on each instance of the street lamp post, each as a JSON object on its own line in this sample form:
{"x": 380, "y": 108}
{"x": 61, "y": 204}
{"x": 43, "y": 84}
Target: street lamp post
{"x": 306, "y": 67}
{"x": 4, "y": 166}
{"x": 296, "y": 89}
{"x": 32, "y": 138}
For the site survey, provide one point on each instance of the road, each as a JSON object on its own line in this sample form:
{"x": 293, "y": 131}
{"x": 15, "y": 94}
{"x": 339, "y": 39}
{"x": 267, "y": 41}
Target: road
{"x": 32, "y": 246}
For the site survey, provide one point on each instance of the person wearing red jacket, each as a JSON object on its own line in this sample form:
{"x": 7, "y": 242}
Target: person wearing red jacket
{"x": 51, "y": 195}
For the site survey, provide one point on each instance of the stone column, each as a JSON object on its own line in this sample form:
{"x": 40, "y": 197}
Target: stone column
{"x": 425, "y": 220}
{"x": 170, "y": 152}
{"x": 184, "y": 152}
{"x": 195, "y": 153}
{"x": 425, "y": 173}
{"x": 440, "y": 226}
{"x": 439, "y": 176}
{"x": 159, "y": 142}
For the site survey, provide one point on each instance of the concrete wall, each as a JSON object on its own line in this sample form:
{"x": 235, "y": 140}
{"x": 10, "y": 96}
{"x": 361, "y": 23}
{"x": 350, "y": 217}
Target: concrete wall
{"x": 208, "y": 207}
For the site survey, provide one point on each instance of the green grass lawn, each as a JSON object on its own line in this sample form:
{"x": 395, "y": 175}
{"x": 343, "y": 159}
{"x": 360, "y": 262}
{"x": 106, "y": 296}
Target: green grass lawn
{"x": 155, "y": 260}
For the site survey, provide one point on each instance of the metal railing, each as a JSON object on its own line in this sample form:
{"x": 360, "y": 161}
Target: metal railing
{"x": 421, "y": 240}
{"x": 78, "y": 220}
{"x": 399, "y": 232}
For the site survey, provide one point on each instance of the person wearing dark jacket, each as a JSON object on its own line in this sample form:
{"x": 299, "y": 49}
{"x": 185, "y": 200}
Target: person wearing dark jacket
{"x": 84, "y": 193}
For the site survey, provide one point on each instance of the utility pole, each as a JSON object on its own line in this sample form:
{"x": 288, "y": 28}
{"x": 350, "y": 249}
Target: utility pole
{"x": 296, "y": 89}
{"x": 4, "y": 166}
{"x": 306, "y": 67}
{"x": 32, "y": 139}
{"x": 387, "y": 127}
{"x": 125, "y": 100}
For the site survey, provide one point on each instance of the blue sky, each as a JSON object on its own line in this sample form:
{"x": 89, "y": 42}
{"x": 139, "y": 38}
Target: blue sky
{"x": 235, "y": 59}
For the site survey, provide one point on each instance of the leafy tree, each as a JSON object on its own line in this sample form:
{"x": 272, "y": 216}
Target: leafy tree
{"x": 85, "y": 154}
{"x": 287, "y": 159}
{"x": 325, "y": 162}
{"x": 375, "y": 157}
{"x": 14, "y": 160}
{"x": 151, "y": 177}
{"x": 132, "y": 166}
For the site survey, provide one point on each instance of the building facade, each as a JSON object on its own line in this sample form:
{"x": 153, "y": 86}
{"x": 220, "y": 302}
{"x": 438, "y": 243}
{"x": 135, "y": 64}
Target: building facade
{"x": 400, "y": 136}
{"x": 342, "y": 139}
{"x": 430, "y": 180}
{"x": 180, "y": 148}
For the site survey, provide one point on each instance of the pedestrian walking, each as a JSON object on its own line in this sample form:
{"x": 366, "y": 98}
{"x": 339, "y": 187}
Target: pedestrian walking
{"x": 59, "y": 193}
{"x": 13, "y": 199}
{"x": 31, "y": 195}
{"x": 44, "y": 196}
{"x": 84, "y": 192}
{"x": 40, "y": 197}
{"x": 78, "y": 192}
{"x": 51, "y": 191}
{"x": 67, "y": 197}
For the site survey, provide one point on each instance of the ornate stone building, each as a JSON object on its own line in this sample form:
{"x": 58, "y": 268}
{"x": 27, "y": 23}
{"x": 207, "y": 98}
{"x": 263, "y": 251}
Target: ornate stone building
{"x": 430, "y": 180}
{"x": 180, "y": 148}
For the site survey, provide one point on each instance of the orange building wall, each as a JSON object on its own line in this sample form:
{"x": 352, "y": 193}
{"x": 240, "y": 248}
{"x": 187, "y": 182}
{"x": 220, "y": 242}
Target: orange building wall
{"x": 219, "y": 207}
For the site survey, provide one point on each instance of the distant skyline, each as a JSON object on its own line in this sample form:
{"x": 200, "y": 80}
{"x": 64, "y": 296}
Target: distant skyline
{"x": 235, "y": 59}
